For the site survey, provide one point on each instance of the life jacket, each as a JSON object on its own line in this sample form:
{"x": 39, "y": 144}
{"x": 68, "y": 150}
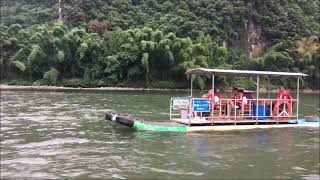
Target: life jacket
{"x": 214, "y": 98}
{"x": 234, "y": 97}
{"x": 284, "y": 95}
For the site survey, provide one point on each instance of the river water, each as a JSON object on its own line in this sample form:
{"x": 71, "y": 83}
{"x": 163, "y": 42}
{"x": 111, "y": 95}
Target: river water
{"x": 64, "y": 134}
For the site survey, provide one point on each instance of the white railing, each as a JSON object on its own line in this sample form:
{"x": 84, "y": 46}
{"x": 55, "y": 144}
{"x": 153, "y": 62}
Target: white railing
{"x": 237, "y": 109}
{"x": 176, "y": 109}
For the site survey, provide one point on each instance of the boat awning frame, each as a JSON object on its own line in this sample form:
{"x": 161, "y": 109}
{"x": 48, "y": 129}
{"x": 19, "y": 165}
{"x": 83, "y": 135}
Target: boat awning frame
{"x": 223, "y": 72}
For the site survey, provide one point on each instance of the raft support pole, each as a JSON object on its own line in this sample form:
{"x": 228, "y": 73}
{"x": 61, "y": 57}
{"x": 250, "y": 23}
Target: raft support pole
{"x": 191, "y": 86}
{"x": 298, "y": 98}
{"x": 257, "y": 109}
{"x": 212, "y": 99}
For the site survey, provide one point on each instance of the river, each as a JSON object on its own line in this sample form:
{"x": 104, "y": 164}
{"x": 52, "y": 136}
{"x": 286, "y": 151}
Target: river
{"x": 54, "y": 135}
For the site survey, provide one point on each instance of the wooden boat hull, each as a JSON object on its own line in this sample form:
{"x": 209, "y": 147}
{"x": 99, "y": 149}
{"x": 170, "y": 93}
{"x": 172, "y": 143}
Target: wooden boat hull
{"x": 176, "y": 127}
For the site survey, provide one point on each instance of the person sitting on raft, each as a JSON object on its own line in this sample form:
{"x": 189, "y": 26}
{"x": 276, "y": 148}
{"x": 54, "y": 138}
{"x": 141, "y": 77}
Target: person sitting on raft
{"x": 238, "y": 101}
{"x": 284, "y": 100}
{"x": 234, "y": 93}
{"x": 283, "y": 93}
{"x": 213, "y": 96}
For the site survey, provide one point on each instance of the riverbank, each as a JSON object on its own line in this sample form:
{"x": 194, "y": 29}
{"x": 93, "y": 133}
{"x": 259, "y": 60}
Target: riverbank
{"x": 4, "y": 87}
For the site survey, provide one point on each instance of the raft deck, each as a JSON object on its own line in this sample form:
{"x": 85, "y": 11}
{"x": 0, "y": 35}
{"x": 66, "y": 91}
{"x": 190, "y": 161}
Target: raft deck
{"x": 206, "y": 122}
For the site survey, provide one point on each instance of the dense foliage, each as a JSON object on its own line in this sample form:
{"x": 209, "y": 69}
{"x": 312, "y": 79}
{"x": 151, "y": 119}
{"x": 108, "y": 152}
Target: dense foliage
{"x": 153, "y": 42}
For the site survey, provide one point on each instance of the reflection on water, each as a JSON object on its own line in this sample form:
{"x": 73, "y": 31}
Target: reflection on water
{"x": 59, "y": 135}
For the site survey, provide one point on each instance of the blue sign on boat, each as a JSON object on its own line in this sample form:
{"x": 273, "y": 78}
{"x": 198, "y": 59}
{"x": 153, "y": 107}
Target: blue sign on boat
{"x": 201, "y": 105}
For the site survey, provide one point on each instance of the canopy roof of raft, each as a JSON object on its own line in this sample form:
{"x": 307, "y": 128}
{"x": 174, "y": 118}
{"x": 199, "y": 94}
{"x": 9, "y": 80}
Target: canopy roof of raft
{"x": 223, "y": 72}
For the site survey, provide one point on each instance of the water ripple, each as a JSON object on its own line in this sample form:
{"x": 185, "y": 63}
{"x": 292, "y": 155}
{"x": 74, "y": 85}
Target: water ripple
{"x": 53, "y": 142}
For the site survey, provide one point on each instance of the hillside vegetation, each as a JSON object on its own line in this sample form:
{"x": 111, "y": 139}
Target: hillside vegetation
{"x": 153, "y": 42}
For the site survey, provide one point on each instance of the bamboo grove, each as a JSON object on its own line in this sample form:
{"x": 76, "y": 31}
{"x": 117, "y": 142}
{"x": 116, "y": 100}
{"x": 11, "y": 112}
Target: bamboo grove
{"x": 152, "y": 43}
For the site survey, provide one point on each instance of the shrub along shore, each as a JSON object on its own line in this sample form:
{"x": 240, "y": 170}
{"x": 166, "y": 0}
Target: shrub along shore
{"x": 4, "y": 87}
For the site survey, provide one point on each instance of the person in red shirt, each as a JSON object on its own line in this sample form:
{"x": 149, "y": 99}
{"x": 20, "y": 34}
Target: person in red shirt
{"x": 243, "y": 100}
{"x": 283, "y": 93}
{"x": 284, "y": 100}
{"x": 214, "y": 97}
{"x": 238, "y": 100}
{"x": 235, "y": 93}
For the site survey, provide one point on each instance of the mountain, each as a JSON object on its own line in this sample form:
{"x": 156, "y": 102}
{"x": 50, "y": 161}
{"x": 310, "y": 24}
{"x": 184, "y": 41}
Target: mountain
{"x": 146, "y": 41}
